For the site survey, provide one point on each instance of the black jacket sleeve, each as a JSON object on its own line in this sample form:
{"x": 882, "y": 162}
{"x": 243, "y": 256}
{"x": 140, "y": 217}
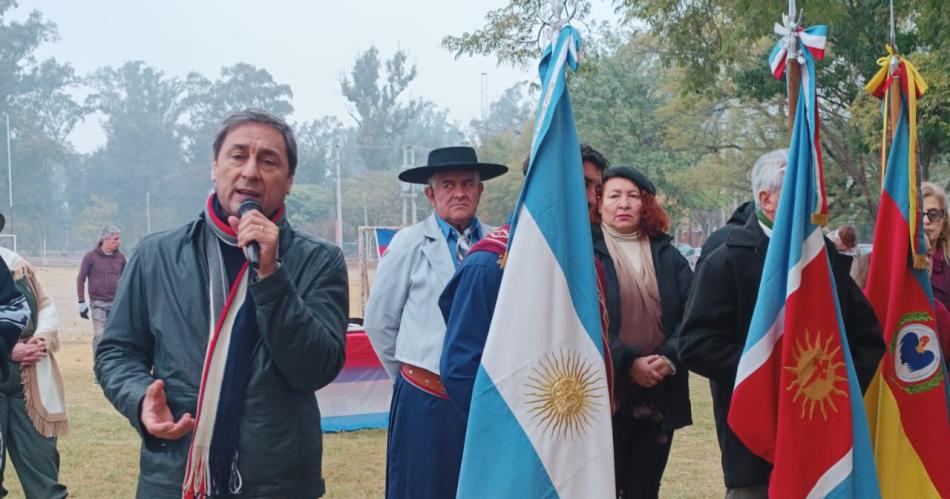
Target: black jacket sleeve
{"x": 707, "y": 343}
{"x": 683, "y": 280}
{"x": 865, "y": 340}
{"x": 14, "y": 316}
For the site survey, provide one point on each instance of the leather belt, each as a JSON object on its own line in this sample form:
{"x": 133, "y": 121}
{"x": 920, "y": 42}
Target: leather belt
{"x": 424, "y": 380}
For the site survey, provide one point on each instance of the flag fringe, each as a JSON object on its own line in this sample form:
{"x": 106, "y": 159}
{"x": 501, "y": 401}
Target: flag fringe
{"x": 819, "y": 219}
{"x": 921, "y": 262}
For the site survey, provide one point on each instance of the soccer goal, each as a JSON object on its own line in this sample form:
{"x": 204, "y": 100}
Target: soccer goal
{"x": 8, "y": 241}
{"x": 373, "y": 242}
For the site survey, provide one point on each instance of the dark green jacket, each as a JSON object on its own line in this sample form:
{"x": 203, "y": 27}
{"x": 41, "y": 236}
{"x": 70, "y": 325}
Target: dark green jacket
{"x": 158, "y": 329}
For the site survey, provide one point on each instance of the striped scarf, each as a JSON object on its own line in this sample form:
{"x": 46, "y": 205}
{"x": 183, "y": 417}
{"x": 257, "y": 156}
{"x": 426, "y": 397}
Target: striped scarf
{"x": 212, "y": 469}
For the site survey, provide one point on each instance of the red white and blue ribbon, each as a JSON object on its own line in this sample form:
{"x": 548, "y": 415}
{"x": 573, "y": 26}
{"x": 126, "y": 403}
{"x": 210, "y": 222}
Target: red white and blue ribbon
{"x": 814, "y": 40}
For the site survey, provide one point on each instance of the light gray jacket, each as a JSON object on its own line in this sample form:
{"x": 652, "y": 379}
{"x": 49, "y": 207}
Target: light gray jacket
{"x": 403, "y": 320}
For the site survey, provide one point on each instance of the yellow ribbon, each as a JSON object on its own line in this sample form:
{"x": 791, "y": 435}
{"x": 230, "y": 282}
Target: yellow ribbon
{"x": 915, "y": 85}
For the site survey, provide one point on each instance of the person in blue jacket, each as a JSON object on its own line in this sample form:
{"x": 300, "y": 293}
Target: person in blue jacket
{"x": 468, "y": 300}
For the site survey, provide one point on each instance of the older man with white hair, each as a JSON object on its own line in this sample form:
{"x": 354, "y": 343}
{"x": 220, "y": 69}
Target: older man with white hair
{"x": 720, "y": 309}
{"x": 102, "y": 267}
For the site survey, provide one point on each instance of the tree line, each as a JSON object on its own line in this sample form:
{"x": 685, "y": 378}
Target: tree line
{"x": 679, "y": 89}
{"x": 153, "y": 171}
{"x": 682, "y": 89}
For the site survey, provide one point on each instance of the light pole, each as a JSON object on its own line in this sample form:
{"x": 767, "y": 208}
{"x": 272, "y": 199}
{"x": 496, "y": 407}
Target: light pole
{"x": 9, "y": 164}
{"x": 9, "y": 172}
{"x": 484, "y": 91}
{"x": 339, "y": 197}
{"x": 413, "y": 190}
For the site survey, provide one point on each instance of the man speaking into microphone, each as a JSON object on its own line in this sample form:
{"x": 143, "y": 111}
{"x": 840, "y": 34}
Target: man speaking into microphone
{"x": 222, "y": 330}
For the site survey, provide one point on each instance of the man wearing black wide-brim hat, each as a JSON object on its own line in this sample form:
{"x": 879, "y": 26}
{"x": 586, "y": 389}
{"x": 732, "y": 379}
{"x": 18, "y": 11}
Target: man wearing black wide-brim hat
{"x": 406, "y": 328}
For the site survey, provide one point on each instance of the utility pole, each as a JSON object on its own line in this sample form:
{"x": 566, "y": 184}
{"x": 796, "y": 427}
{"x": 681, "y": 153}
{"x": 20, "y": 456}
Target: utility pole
{"x": 9, "y": 172}
{"x": 365, "y": 212}
{"x": 413, "y": 188}
{"x": 148, "y": 212}
{"x": 339, "y": 197}
{"x": 484, "y": 91}
{"x": 404, "y": 188}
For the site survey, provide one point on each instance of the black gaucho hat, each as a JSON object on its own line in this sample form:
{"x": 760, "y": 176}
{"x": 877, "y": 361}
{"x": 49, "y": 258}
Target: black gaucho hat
{"x": 451, "y": 158}
{"x": 632, "y": 174}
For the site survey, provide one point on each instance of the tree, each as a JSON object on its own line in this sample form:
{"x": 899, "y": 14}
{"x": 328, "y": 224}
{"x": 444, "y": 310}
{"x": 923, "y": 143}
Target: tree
{"x": 141, "y": 166}
{"x": 512, "y": 33}
{"x": 310, "y": 208}
{"x": 35, "y": 94}
{"x": 508, "y": 114}
{"x": 717, "y": 60}
{"x": 317, "y": 143}
{"x": 716, "y": 52}
{"x": 205, "y": 103}
{"x": 376, "y": 107}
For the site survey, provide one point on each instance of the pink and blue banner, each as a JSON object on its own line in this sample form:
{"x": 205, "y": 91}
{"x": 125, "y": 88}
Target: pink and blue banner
{"x": 359, "y": 397}
{"x": 383, "y": 238}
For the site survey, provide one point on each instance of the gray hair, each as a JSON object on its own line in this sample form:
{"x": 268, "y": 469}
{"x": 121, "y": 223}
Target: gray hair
{"x": 254, "y": 115}
{"x": 107, "y": 231}
{"x": 768, "y": 172}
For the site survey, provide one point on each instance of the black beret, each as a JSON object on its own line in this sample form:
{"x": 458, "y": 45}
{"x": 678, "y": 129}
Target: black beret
{"x": 632, "y": 174}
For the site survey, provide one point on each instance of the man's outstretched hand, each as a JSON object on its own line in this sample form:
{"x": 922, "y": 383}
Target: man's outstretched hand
{"x": 157, "y": 418}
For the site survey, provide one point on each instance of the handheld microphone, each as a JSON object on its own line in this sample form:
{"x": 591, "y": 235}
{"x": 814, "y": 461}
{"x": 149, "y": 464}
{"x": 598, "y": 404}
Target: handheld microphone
{"x": 253, "y": 250}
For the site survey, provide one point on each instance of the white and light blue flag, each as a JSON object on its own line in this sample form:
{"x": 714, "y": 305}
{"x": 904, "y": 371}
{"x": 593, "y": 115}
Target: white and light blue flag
{"x": 539, "y": 424}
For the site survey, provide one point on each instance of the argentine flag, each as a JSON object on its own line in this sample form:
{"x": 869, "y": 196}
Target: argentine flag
{"x": 539, "y": 424}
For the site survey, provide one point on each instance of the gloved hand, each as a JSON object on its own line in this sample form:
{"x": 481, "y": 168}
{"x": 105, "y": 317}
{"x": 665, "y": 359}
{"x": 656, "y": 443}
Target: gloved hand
{"x": 83, "y": 310}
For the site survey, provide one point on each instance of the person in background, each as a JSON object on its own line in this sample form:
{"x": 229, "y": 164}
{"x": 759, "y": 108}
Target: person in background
{"x": 846, "y": 241}
{"x": 468, "y": 300}
{"x": 937, "y": 229}
{"x": 101, "y": 267}
{"x": 32, "y": 397}
{"x": 645, "y": 309}
{"x": 941, "y": 314}
{"x": 719, "y": 311}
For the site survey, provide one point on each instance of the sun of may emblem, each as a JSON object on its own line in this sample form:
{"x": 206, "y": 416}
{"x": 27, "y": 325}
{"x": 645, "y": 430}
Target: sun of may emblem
{"x": 815, "y": 372}
{"x": 561, "y": 393}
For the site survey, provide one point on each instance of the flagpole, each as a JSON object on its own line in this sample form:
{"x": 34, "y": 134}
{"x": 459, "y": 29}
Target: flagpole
{"x": 894, "y": 90}
{"x": 793, "y": 69}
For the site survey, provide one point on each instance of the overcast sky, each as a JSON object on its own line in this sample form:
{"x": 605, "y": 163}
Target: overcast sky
{"x": 307, "y": 45}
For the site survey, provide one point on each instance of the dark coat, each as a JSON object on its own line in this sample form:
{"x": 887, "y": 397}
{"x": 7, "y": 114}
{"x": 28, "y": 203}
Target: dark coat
{"x": 739, "y": 217}
{"x": 159, "y": 327}
{"x": 674, "y": 278}
{"x": 717, "y": 321}
{"x": 14, "y": 315}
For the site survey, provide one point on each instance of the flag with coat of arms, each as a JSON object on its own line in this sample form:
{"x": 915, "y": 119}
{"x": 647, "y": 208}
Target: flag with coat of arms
{"x": 907, "y": 401}
{"x": 797, "y": 402}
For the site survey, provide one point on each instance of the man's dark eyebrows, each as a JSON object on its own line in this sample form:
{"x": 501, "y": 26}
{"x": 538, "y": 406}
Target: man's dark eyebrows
{"x": 237, "y": 147}
{"x": 267, "y": 151}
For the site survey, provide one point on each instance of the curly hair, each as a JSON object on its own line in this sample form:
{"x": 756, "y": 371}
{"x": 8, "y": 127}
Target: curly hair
{"x": 653, "y": 218}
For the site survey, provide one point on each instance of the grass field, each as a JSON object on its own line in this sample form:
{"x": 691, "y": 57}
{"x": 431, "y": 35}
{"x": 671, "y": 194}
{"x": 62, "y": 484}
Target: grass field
{"x": 99, "y": 459}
